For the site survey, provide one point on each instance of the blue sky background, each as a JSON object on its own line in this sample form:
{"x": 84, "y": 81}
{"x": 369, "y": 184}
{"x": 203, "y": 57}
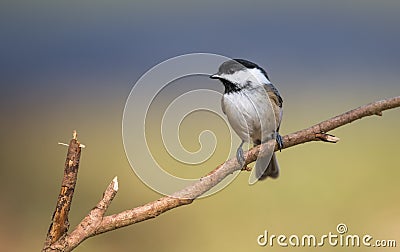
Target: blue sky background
{"x": 71, "y": 64}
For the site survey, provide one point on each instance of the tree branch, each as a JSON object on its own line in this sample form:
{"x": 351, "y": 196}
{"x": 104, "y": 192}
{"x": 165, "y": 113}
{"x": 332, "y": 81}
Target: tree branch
{"x": 89, "y": 225}
{"x": 59, "y": 225}
{"x": 96, "y": 223}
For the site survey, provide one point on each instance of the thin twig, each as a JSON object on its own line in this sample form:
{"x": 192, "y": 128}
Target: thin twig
{"x": 59, "y": 225}
{"x": 186, "y": 196}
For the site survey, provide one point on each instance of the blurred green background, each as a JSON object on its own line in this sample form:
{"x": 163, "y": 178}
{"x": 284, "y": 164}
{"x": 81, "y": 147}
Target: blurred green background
{"x": 68, "y": 65}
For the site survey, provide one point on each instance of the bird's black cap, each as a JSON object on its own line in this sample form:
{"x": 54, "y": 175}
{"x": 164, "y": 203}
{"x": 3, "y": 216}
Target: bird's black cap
{"x": 231, "y": 66}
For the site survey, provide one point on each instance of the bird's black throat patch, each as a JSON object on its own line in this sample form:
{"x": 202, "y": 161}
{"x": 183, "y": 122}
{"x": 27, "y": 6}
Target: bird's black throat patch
{"x": 233, "y": 88}
{"x": 230, "y": 87}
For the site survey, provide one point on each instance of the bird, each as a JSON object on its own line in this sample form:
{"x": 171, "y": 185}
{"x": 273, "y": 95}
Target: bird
{"x": 254, "y": 109}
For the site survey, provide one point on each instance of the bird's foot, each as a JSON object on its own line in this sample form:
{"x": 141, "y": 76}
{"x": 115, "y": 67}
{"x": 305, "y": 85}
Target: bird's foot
{"x": 279, "y": 141}
{"x": 240, "y": 156}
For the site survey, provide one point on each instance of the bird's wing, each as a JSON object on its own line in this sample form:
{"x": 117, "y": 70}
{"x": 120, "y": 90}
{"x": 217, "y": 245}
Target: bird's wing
{"x": 277, "y": 103}
{"x": 273, "y": 94}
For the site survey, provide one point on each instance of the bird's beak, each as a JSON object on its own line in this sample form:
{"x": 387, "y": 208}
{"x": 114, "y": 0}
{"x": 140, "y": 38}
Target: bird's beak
{"x": 215, "y": 76}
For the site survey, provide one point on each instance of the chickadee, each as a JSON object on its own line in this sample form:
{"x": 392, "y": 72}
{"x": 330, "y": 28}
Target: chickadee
{"x": 254, "y": 110}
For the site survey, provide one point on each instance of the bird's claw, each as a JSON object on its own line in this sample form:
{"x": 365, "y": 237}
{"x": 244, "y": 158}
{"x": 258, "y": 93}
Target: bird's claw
{"x": 240, "y": 156}
{"x": 279, "y": 141}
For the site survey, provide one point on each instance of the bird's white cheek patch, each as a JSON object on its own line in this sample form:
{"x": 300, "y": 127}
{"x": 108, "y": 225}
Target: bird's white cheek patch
{"x": 253, "y": 76}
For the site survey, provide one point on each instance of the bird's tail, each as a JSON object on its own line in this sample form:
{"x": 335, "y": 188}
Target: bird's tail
{"x": 272, "y": 168}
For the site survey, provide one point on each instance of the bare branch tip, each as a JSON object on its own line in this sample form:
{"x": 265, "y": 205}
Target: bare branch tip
{"x": 64, "y": 144}
{"x": 327, "y": 137}
{"x": 74, "y": 134}
{"x": 333, "y": 139}
{"x": 115, "y": 181}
